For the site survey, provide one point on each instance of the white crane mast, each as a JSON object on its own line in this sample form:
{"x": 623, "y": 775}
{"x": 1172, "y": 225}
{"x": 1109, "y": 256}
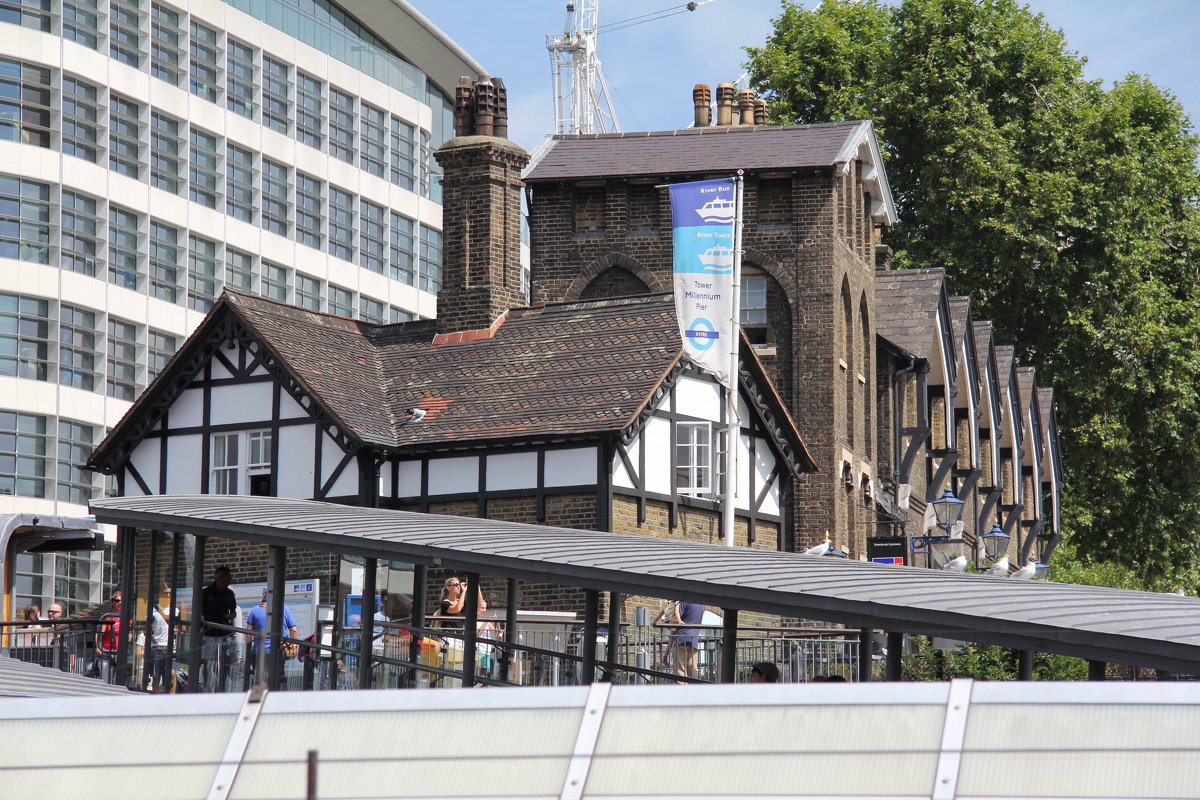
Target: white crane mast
{"x": 581, "y": 101}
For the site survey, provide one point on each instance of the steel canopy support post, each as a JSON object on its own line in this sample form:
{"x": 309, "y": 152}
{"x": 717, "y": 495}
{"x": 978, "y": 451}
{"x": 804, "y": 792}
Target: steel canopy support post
{"x": 470, "y": 629}
{"x": 591, "y": 613}
{"x": 420, "y": 579}
{"x": 864, "y": 655}
{"x": 127, "y": 541}
{"x": 614, "y": 633}
{"x": 366, "y": 621}
{"x": 729, "y": 638}
{"x": 1097, "y": 670}
{"x": 196, "y": 620}
{"x": 510, "y": 629}
{"x": 277, "y": 563}
{"x": 151, "y": 603}
{"x": 895, "y": 652}
{"x": 1025, "y": 668}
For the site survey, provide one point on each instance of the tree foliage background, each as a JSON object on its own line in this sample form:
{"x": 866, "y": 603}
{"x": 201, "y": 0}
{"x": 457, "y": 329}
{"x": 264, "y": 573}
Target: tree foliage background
{"x": 1066, "y": 210}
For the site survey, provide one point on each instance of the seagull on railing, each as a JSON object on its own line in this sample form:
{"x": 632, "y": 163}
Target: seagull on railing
{"x": 956, "y": 564}
{"x": 999, "y": 568}
{"x": 1025, "y": 573}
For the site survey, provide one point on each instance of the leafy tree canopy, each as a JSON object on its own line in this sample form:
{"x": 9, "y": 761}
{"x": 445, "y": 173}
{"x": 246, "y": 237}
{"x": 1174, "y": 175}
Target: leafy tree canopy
{"x": 1067, "y": 211}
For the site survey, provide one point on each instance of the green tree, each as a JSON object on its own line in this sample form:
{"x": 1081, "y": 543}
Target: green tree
{"x": 1065, "y": 210}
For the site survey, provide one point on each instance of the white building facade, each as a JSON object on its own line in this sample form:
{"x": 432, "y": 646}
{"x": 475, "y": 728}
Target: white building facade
{"x": 152, "y": 153}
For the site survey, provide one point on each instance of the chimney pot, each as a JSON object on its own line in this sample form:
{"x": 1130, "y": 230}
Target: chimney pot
{"x": 464, "y": 107}
{"x": 485, "y": 106}
{"x": 725, "y": 99}
{"x": 746, "y": 106}
{"x": 760, "y": 112}
{"x": 500, "y": 125}
{"x": 701, "y": 99}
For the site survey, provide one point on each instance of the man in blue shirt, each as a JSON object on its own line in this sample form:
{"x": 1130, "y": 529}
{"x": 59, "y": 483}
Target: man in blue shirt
{"x": 685, "y": 641}
{"x": 256, "y": 620}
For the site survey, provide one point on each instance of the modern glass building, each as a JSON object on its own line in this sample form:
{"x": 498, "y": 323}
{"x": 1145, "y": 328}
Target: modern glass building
{"x": 152, "y": 153}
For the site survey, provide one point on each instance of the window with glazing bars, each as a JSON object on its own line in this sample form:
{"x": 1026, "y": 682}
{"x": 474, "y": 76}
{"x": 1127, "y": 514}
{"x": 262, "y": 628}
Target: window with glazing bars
{"x": 371, "y": 310}
{"x": 166, "y": 44}
{"x": 24, "y": 220}
{"x": 309, "y": 206}
{"x": 240, "y": 78}
{"x": 81, "y": 22}
{"x": 164, "y": 262}
{"x": 25, "y": 97}
{"x": 693, "y": 457}
{"x": 275, "y": 207}
{"x": 308, "y": 292}
{"x": 204, "y": 169}
{"x": 124, "y": 248}
{"x": 77, "y": 348}
{"x": 204, "y": 268}
{"x": 373, "y": 135}
{"x": 81, "y": 128}
{"x": 225, "y": 463}
{"x": 160, "y": 346}
{"x": 341, "y": 301}
{"x": 166, "y": 153}
{"x": 341, "y": 125}
{"x": 276, "y": 93}
{"x": 31, "y": 14}
{"x": 124, "y": 32}
{"x": 402, "y": 252}
{"x": 240, "y": 196}
{"x": 341, "y": 224}
{"x": 122, "y": 359}
{"x": 310, "y": 110}
{"x": 75, "y": 441}
{"x": 372, "y": 246}
{"x": 125, "y": 137}
{"x": 276, "y": 282}
{"x": 404, "y": 144}
{"x": 431, "y": 260}
{"x": 80, "y": 235}
{"x": 23, "y": 449}
{"x": 239, "y": 270}
{"x": 205, "y": 63}
{"x": 24, "y": 337}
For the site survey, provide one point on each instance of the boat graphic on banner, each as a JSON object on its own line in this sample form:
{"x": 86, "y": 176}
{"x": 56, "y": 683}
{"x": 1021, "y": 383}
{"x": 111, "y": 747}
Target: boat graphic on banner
{"x": 702, "y": 216}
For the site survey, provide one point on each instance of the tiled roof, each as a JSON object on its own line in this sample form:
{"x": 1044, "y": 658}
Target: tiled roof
{"x": 1005, "y": 354}
{"x": 696, "y": 151}
{"x": 983, "y": 344}
{"x": 906, "y": 305}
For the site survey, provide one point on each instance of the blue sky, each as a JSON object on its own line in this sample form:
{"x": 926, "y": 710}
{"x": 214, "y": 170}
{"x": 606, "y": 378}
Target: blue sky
{"x": 652, "y": 67}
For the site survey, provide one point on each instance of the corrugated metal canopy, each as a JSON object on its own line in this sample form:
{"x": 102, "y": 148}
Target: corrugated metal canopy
{"x": 1111, "y": 625}
{"x": 21, "y": 679}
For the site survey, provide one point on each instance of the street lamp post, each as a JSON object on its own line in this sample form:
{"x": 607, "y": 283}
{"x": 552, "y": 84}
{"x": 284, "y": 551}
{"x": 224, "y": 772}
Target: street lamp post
{"x": 947, "y": 509}
{"x": 995, "y": 543}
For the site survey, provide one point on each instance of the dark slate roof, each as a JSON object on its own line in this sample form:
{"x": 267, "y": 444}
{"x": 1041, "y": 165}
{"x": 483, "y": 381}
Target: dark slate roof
{"x": 960, "y": 323}
{"x": 906, "y": 306}
{"x": 696, "y": 151}
{"x": 983, "y": 344}
{"x": 21, "y": 679}
{"x": 1005, "y": 355}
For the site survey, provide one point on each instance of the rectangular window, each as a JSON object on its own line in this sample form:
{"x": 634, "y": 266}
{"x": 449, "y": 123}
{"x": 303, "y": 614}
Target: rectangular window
{"x": 241, "y": 199}
{"x": 77, "y": 354}
{"x": 341, "y": 125}
{"x": 431, "y": 260}
{"x": 341, "y": 301}
{"x": 404, "y": 146}
{"x": 239, "y": 270}
{"x": 260, "y": 450}
{"x": 160, "y": 347}
{"x": 754, "y": 300}
{"x": 24, "y": 220}
{"x": 240, "y": 77}
{"x": 31, "y": 14}
{"x": 81, "y": 135}
{"x": 166, "y": 44}
{"x": 693, "y": 458}
{"x": 309, "y": 207}
{"x": 399, "y": 315}
{"x": 124, "y": 32}
{"x": 308, "y": 292}
{"x": 276, "y": 91}
{"x": 81, "y": 22}
{"x": 275, "y": 205}
{"x": 166, "y": 153}
{"x": 125, "y": 137}
{"x": 371, "y": 310}
{"x": 403, "y": 249}
{"x": 25, "y": 111}
{"x": 310, "y": 110}
{"x": 276, "y": 282}
{"x": 373, "y": 140}
{"x": 24, "y": 337}
{"x": 122, "y": 359}
{"x": 341, "y": 224}
{"x": 205, "y": 63}
{"x": 204, "y": 169}
{"x": 124, "y": 248}
{"x": 23, "y": 449}
{"x": 372, "y": 247}
{"x": 225, "y": 463}
{"x": 164, "y": 262}
{"x": 203, "y": 272}
{"x": 81, "y": 231}
{"x": 74, "y": 446}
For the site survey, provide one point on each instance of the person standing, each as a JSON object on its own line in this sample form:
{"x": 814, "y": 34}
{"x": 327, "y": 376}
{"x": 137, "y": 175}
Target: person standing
{"x": 256, "y": 620}
{"x": 686, "y": 641}
{"x": 217, "y": 605}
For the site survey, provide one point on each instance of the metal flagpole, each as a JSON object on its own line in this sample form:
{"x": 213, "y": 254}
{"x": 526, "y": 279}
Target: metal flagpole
{"x": 734, "y": 431}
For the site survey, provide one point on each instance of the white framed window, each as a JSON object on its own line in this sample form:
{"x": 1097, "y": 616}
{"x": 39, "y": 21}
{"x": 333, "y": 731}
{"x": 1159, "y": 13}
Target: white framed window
{"x": 258, "y": 464}
{"x": 225, "y": 461}
{"x": 241, "y": 463}
{"x": 693, "y": 458}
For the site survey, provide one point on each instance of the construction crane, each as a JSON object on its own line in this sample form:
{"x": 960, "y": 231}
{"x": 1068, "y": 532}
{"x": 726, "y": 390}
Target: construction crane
{"x": 581, "y": 100}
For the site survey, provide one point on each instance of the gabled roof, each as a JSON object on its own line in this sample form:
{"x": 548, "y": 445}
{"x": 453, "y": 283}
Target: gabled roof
{"x": 906, "y": 307}
{"x": 983, "y": 345}
{"x": 964, "y": 338}
{"x": 726, "y": 148}
{"x": 562, "y": 371}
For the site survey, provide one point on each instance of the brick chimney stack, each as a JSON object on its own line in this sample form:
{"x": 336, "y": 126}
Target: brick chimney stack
{"x": 481, "y": 211}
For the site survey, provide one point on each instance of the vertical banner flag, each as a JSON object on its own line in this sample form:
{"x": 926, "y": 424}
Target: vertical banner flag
{"x": 702, "y": 215}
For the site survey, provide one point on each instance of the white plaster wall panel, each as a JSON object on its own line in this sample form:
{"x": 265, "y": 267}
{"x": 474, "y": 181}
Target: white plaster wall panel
{"x": 35, "y": 397}
{"x": 294, "y": 478}
{"x": 575, "y": 467}
{"x": 289, "y": 408}
{"x": 620, "y": 475}
{"x": 184, "y": 454}
{"x": 132, "y": 489}
{"x": 385, "y": 479}
{"x": 331, "y": 456}
{"x": 259, "y": 371}
{"x": 744, "y": 467}
{"x": 82, "y": 406}
{"x": 697, "y": 399}
{"x": 764, "y": 463}
{"x": 218, "y": 369}
{"x": 511, "y": 471}
{"x": 656, "y": 438}
{"x": 248, "y": 403}
{"x": 633, "y": 452}
{"x": 408, "y": 479}
{"x": 188, "y": 410}
{"x": 453, "y": 475}
{"x": 147, "y": 459}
